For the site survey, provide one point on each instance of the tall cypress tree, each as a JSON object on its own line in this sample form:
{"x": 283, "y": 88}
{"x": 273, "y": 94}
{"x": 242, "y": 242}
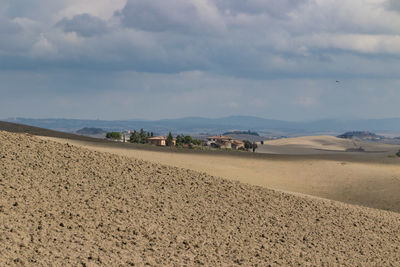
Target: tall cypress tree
{"x": 170, "y": 140}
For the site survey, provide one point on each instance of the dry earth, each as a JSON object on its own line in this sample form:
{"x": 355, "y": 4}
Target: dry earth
{"x": 371, "y": 180}
{"x": 317, "y": 144}
{"x": 65, "y": 205}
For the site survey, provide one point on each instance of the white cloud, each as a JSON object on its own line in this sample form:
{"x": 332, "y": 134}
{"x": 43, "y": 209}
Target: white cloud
{"x": 361, "y": 43}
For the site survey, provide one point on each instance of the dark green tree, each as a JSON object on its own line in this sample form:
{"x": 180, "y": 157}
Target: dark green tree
{"x": 143, "y": 136}
{"x": 254, "y": 146}
{"x": 179, "y": 140}
{"x": 196, "y": 142}
{"x": 135, "y": 137}
{"x": 187, "y": 139}
{"x": 247, "y": 144}
{"x": 170, "y": 140}
{"x": 114, "y": 135}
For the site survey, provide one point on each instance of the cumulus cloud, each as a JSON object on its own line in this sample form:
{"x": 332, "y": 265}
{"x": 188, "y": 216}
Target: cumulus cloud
{"x": 253, "y": 39}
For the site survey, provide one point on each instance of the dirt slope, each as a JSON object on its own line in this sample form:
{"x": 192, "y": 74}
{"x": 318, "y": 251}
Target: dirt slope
{"x": 316, "y": 142}
{"x": 373, "y": 183}
{"x": 64, "y": 205}
{"x": 323, "y": 143}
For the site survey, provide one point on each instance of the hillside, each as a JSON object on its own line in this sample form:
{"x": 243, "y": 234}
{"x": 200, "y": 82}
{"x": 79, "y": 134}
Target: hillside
{"x": 193, "y": 125}
{"x": 21, "y": 128}
{"x": 314, "y": 142}
{"x": 64, "y": 205}
{"x": 91, "y": 131}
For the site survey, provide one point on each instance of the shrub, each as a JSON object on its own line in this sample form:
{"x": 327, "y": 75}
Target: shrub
{"x": 114, "y": 135}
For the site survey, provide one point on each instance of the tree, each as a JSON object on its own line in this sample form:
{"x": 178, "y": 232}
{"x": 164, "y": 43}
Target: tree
{"x": 196, "y": 142}
{"x": 135, "y": 137}
{"x": 113, "y": 135}
{"x": 179, "y": 140}
{"x": 143, "y": 136}
{"x": 247, "y": 144}
{"x": 140, "y": 137}
{"x": 170, "y": 140}
{"x": 187, "y": 139}
{"x": 254, "y": 147}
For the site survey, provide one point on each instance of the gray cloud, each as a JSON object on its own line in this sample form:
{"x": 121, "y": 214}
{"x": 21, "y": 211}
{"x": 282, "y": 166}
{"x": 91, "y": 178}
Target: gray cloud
{"x": 393, "y": 5}
{"x": 171, "y": 15}
{"x": 156, "y": 16}
{"x": 262, "y": 55}
{"x": 84, "y": 25}
{"x": 9, "y": 27}
{"x": 271, "y": 7}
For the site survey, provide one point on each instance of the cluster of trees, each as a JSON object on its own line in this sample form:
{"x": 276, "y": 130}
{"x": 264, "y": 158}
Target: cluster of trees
{"x": 249, "y": 145}
{"x": 114, "y": 135}
{"x": 182, "y": 140}
{"x": 360, "y": 134}
{"x": 140, "y": 137}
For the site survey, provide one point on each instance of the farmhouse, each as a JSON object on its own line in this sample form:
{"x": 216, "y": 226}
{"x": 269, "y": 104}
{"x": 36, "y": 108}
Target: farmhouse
{"x": 159, "y": 140}
{"x": 221, "y": 141}
{"x": 125, "y": 136}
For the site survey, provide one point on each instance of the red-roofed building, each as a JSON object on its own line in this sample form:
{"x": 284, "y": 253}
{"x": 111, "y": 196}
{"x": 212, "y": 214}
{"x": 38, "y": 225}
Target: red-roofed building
{"x": 159, "y": 140}
{"x": 221, "y": 141}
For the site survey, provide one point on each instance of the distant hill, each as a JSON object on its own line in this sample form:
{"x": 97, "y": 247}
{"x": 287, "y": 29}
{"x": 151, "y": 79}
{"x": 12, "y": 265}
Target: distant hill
{"x": 361, "y": 135}
{"x": 242, "y": 133}
{"x": 91, "y": 131}
{"x": 191, "y": 125}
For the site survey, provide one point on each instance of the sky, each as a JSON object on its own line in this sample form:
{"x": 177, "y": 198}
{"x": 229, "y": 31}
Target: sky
{"x": 130, "y": 59}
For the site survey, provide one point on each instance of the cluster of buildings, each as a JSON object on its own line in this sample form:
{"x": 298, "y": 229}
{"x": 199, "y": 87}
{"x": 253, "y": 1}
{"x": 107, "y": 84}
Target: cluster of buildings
{"x": 221, "y": 141}
{"x": 217, "y": 141}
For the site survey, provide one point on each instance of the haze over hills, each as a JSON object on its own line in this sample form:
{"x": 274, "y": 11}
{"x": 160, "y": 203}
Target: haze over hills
{"x": 219, "y": 125}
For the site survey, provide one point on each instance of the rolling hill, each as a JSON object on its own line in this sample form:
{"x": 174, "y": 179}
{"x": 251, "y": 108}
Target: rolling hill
{"x": 220, "y": 125}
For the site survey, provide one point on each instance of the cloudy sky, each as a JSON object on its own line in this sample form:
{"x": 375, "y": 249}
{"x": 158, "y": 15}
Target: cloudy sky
{"x": 151, "y": 59}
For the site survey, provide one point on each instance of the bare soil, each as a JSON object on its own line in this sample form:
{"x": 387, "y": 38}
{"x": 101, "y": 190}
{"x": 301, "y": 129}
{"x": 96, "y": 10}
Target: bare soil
{"x": 372, "y": 181}
{"x": 65, "y": 205}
